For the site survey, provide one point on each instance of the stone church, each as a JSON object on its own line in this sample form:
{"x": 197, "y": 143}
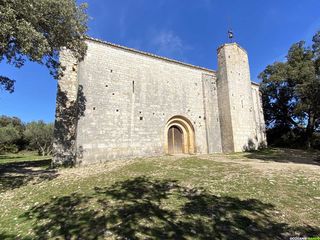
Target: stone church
{"x": 122, "y": 103}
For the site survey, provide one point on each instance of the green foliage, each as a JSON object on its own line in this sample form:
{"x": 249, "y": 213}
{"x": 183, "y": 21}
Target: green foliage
{"x": 11, "y": 134}
{"x": 7, "y": 84}
{"x": 16, "y": 136}
{"x": 40, "y": 137}
{"x": 291, "y": 95}
{"x": 36, "y": 30}
{"x": 14, "y": 121}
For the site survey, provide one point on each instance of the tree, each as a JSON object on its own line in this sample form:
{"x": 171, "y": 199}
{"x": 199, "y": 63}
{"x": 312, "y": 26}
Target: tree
{"x": 291, "y": 91}
{"x": 40, "y": 137}
{"x": 15, "y": 121}
{"x": 36, "y": 30}
{"x": 11, "y": 134}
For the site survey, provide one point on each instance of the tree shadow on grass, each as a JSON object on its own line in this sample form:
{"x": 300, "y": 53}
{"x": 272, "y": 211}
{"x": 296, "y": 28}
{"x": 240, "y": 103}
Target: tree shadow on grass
{"x": 67, "y": 217}
{"x": 10, "y": 157}
{"x": 16, "y": 174}
{"x": 144, "y": 208}
{"x": 283, "y": 155}
{"x": 5, "y": 236}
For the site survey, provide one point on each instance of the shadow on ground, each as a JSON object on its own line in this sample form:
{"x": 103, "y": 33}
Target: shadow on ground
{"x": 145, "y": 208}
{"x": 17, "y": 174}
{"x": 286, "y": 156}
{"x": 10, "y": 157}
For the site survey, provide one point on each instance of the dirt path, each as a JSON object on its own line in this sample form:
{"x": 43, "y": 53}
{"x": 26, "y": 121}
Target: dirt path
{"x": 273, "y": 165}
{"x": 289, "y": 161}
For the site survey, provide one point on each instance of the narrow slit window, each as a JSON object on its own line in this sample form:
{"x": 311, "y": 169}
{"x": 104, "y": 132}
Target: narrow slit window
{"x": 132, "y": 86}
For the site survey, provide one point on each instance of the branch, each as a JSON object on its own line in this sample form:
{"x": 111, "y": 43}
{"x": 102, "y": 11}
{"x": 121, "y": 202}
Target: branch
{"x": 7, "y": 84}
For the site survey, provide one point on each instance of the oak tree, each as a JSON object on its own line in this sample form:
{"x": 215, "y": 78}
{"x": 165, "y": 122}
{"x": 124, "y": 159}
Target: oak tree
{"x": 36, "y": 30}
{"x": 40, "y": 137}
{"x": 291, "y": 91}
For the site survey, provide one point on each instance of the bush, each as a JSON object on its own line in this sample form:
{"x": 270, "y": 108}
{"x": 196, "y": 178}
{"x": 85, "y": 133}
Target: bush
{"x": 291, "y": 138}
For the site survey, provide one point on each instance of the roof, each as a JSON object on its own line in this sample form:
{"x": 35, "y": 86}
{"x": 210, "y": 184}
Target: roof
{"x": 149, "y": 54}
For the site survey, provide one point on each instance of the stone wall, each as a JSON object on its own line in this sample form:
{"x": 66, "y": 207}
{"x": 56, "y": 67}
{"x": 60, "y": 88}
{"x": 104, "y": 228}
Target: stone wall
{"x": 259, "y": 117}
{"x": 211, "y": 109}
{"x": 130, "y": 96}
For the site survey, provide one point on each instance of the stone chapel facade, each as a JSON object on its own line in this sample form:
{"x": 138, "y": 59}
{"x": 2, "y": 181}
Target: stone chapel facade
{"x": 123, "y": 103}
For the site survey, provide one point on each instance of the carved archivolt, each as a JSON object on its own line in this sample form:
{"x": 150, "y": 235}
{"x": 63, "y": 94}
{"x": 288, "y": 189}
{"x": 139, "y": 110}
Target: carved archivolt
{"x": 188, "y": 134}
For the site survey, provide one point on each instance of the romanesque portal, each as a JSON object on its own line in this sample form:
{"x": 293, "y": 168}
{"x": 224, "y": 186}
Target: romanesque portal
{"x": 179, "y": 136}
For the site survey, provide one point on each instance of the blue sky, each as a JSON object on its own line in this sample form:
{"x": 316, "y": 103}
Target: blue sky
{"x": 186, "y": 30}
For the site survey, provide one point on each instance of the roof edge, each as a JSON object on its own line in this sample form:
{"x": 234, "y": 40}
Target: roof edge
{"x": 256, "y": 84}
{"x": 149, "y": 54}
{"x": 231, "y": 44}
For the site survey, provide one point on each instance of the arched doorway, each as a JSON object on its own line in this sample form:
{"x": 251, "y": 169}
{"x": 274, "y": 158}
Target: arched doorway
{"x": 179, "y": 136}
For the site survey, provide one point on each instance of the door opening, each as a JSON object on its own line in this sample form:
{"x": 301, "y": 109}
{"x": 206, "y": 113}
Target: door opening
{"x": 175, "y": 140}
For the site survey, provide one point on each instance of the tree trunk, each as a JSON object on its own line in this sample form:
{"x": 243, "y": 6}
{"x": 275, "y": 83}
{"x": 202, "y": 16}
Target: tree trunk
{"x": 310, "y": 130}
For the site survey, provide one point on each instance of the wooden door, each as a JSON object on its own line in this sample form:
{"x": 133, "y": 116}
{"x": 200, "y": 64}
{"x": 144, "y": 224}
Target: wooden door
{"x": 175, "y": 140}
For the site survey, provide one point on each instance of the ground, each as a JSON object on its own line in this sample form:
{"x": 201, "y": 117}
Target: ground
{"x": 273, "y": 194}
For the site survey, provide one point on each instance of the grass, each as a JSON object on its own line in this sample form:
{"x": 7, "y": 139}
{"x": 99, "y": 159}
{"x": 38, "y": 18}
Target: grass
{"x": 259, "y": 195}
{"x": 17, "y": 170}
{"x": 21, "y": 157}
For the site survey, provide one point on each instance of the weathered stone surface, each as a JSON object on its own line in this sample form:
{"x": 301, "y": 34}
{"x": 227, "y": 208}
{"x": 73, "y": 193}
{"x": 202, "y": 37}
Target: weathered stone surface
{"x": 241, "y": 115}
{"x": 126, "y": 100}
{"x": 66, "y": 112}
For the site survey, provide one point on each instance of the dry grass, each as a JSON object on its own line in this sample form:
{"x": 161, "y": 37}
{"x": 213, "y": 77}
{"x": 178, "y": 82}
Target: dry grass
{"x": 261, "y": 195}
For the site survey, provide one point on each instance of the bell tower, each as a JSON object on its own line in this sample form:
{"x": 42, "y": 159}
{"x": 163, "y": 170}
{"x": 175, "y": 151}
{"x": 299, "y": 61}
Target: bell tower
{"x": 235, "y": 99}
